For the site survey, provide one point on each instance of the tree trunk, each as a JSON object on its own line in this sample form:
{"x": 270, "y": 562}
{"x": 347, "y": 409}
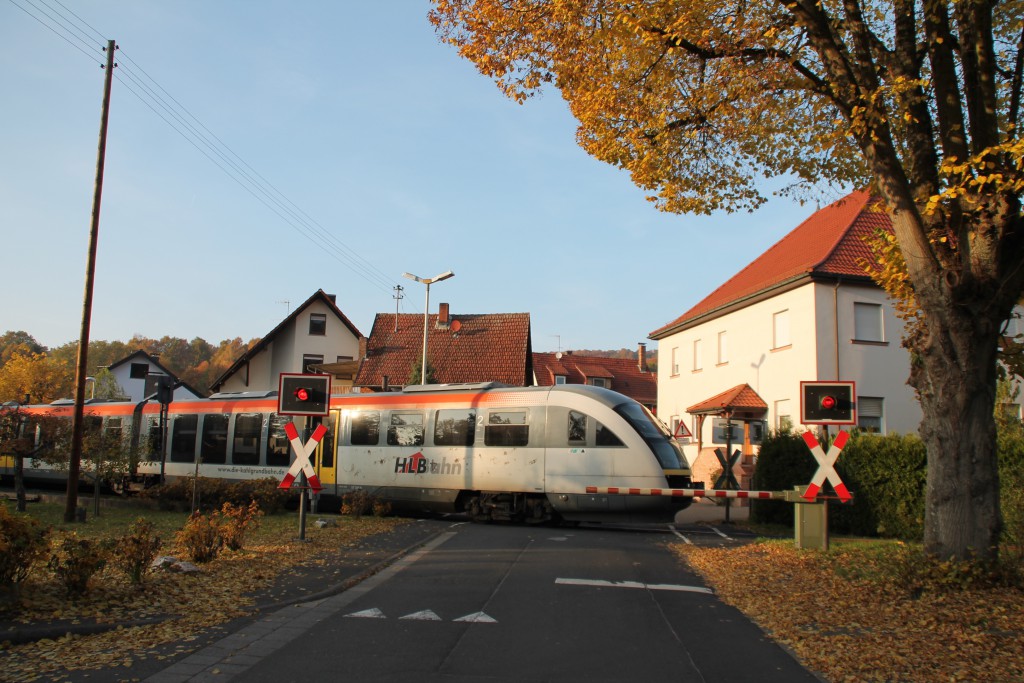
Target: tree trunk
{"x": 955, "y": 375}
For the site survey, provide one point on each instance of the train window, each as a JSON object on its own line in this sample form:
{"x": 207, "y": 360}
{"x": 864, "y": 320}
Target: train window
{"x": 112, "y": 430}
{"x": 93, "y": 425}
{"x": 506, "y": 428}
{"x": 278, "y": 446}
{"x": 183, "y": 438}
{"x": 405, "y": 429}
{"x": 577, "y": 428}
{"x": 657, "y": 436}
{"x": 365, "y": 428}
{"x": 606, "y": 437}
{"x": 214, "y": 446}
{"x": 455, "y": 427}
{"x": 245, "y": 445}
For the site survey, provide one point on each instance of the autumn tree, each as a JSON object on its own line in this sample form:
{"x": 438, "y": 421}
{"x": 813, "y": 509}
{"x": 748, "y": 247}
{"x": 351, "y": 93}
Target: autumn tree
{"x": 700, "y": 100}
{"x": 37, "y": 376}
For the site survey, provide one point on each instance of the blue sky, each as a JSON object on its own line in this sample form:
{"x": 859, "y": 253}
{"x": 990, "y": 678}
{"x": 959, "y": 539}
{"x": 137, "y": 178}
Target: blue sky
{"x": 374, "y": 149}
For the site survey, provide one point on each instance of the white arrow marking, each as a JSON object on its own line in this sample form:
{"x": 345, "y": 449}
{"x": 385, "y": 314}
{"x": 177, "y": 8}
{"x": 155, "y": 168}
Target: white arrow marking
{"x": 422, "y": 615}
{"x": 477, "y": 618}
{"x": 634, "y": 584}
{"x": 368, "y": 614}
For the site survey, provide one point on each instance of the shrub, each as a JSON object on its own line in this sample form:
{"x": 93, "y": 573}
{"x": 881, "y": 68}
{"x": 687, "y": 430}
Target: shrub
{"x": 886, "y": 475}
{"x": 356, "y": 503}
{"x": 75, "y": 561}
{"x": 200, "y": 538}
{"x": 23, "y": 542}
{"x": 134, "y": 552}
{"x": 213, "y": 493}
{"x": 381, "y": 508}
{"x": 784, "y": 461}
{"x": 236, "y": 521}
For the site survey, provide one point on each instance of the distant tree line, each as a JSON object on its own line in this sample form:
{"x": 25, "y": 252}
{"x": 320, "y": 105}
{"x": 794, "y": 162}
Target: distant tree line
{"x": 27, "y": 368}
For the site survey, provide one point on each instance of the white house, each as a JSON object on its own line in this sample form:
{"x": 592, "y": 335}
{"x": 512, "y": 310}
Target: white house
{"x": 139, "y": 374}
{"x": 805, "y": 310}
{"x": 316, "y": 333}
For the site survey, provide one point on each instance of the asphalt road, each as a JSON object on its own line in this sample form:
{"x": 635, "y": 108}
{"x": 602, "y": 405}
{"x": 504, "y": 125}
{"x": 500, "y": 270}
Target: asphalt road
{"x": 511, "y": 603}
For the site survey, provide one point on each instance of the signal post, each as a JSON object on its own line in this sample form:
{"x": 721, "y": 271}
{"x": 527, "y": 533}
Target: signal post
{"x": 305, "y": 395}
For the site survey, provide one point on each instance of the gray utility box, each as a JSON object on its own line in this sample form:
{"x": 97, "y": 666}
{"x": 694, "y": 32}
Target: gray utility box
{"x": 810, "y": 520}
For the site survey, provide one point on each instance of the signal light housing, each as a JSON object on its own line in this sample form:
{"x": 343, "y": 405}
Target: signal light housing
{"x": 826, "y": 403}
{"x": 304, "y": 394}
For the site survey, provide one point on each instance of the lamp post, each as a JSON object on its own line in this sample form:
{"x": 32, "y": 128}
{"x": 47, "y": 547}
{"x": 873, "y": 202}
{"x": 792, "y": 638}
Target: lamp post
{"x": 426, "y": 313}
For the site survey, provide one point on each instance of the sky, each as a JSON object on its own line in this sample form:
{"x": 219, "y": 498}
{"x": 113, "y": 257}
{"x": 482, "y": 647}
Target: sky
{"x": 260, "y": 150}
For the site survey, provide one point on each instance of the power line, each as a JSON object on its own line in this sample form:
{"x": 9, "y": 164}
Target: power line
{"x": 135, "y": 79}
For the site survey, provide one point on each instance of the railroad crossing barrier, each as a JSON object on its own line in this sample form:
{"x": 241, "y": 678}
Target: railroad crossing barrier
{"x": 810, "y": 519}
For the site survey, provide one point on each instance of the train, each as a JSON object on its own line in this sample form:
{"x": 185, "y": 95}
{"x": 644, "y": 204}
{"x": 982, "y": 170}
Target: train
{"x": 491, "y": 451}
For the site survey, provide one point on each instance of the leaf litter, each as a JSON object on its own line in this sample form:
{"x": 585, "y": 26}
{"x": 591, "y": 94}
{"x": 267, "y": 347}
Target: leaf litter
{"x": 183, "y": 607}
{"x": 852, "y": 624}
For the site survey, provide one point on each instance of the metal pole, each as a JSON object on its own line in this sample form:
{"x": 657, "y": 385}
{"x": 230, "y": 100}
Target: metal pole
{"x": 426, "y": 317}
{"x": 78, "y": 419}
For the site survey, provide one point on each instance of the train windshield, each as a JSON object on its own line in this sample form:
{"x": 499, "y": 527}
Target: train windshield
{"x": 668, "y": 452}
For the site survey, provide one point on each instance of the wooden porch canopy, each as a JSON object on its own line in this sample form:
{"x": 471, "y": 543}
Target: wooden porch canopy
{"x": 739, "y": 403}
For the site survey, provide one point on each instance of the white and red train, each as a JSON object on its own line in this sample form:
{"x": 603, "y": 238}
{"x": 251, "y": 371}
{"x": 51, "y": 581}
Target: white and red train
{"x": 493, "y": 452}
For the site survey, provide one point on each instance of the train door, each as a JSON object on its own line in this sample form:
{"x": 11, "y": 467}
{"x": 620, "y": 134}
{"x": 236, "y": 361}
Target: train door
{"x": 326, "y": 452}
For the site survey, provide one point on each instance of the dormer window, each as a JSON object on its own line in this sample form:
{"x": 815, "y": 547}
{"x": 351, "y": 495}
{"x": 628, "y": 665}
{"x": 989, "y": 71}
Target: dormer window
{"x": 559, "y": 379}
{"x": 317, "y": 324}
{"x": 598, "y": 382}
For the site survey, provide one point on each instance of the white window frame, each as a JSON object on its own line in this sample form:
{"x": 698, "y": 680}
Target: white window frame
{"x": 781, "y": 338}
{"x": 698, "y": 356}
{"x": 723, "y": 347}
{"x": 868, "y": 322}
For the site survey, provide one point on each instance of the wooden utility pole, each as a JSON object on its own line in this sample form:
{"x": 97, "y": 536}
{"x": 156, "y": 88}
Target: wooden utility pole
{"x": 77, "y": 423}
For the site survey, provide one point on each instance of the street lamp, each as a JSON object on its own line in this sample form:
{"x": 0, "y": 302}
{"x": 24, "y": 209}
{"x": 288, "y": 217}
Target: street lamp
{"x": 426, "y": 313}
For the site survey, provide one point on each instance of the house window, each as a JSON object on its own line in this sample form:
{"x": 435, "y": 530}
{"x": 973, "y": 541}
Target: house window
{"x": 317, "y": 324}
{"x": 138, "y": 371}
{"x": 675, "y": 361}
{"x": 598, "y": 382}
{"x": 559, "y": 379}
{"x": 780, "y": 330}
{"x": 698, "y": 359}
{"x": 723, "y": 348}
{"x": 867, "y": 322}
{"x": 783, "y": 416}
{"x": 869, "y": 414}
{"x": 309, "y": 359}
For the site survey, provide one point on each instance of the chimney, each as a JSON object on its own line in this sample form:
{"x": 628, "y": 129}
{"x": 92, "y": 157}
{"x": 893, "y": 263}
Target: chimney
{"x": 333, "y": 298}
{"x": 442, "y": 317}
{"x": 641, "y": 356}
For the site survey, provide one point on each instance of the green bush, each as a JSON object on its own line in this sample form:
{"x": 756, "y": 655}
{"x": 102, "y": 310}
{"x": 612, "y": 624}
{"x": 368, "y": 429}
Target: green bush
{"x": 23, "y": 542}
{"x": 75, "y": 560}
{"x": 886, "y": 475}
{"x": 784, "y": 461}
{"x": 134, "y": 552}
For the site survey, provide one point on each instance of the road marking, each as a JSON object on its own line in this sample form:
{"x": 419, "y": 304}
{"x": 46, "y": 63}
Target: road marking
{"x": 368, "y": 614}
{"x": 599, "y": 583}
{"x": 717, "y": 531}
{"x": 422, "y": 615}
{"x": 677, "y": 532}
{"x": 477, "y": 618}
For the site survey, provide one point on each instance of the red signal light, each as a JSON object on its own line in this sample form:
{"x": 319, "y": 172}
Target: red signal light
{"x": 828, "y": 402}
{"x": 302, "y": 394}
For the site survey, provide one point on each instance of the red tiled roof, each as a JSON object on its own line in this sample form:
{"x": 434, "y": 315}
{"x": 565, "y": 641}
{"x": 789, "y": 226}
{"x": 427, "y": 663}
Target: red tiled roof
{"x": 830, "y": 243}
{"x": 626, "y": 377}
{"x": 741, "y": 397}
{"x": 480, "y": 348}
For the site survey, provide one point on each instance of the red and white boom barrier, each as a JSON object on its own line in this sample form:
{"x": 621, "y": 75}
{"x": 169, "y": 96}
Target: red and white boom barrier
{"x": 688, "y": 493}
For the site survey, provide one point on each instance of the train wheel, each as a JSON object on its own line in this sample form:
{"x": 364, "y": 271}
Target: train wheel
{"x": 478, "y": 513}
